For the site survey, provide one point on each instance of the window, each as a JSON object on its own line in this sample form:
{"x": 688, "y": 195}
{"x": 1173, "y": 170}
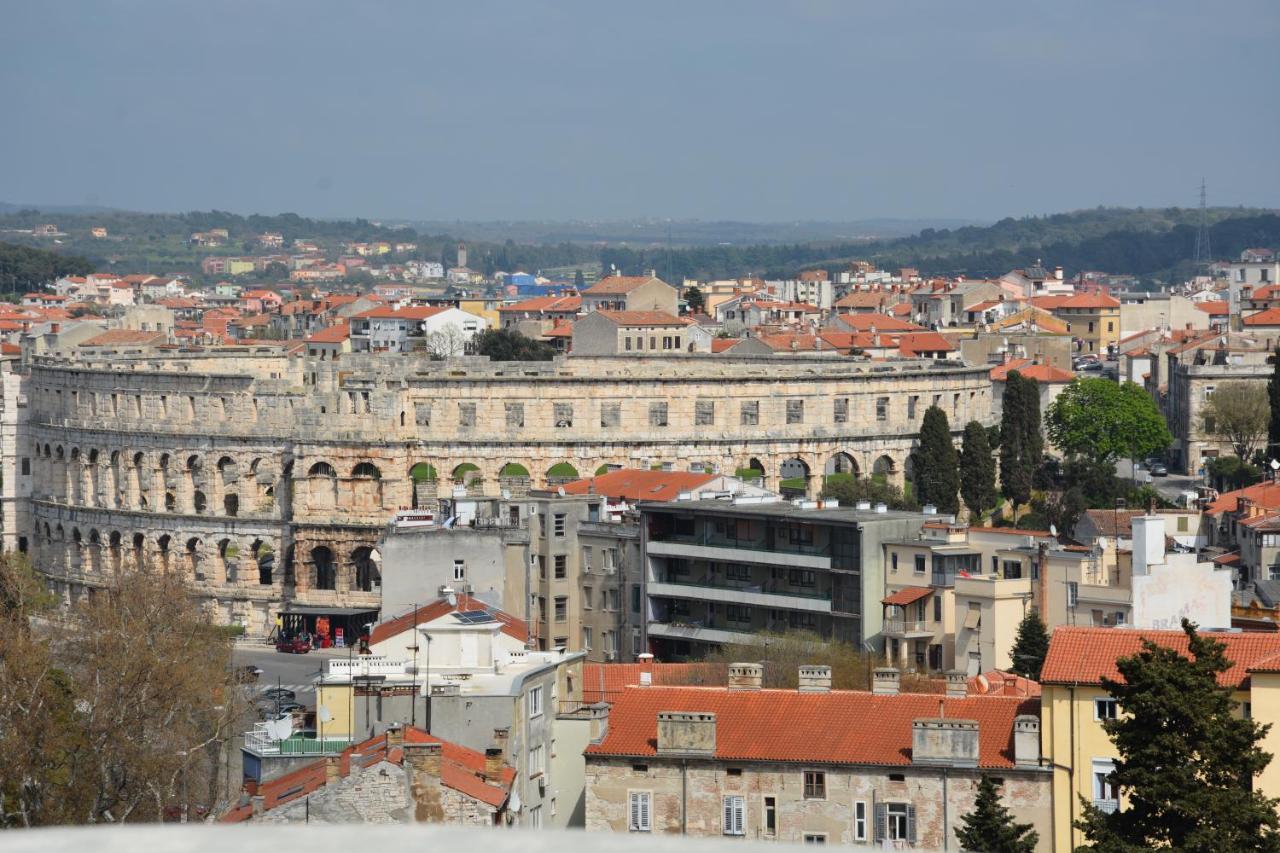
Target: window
{"x": 535, "y": 817}
{"x": 893, "y": 560}
{"x": 26, "y": 466}
{"x": 911, "y": 405}
{"x": 734, "y": 812}
{"x": 815, "y": 838}
{"x": 1106, "y": 794}
{"x": 882, "y": 408}
{"x": 635, "y": 598}
{"x": 537, "y": 761}
{"x": 534, "y": 699}
{"x": 628, "y": 343}
{"x": 562, "y": 608}
{"x": 704, "y": 413}
{"x": 639, "y": 808}
{"x": 557, "y": 526}
{"x": 920, "y": 564}
{"x": 564, "y": 415}
{"x": 770, "y": 816}
{"x": 840, "y": 410}
{"x": 515, "y": 414}
{"x": 611, "y": 599}
{"x": 588, "y": 594}
{"x": 658, "y": 414}
{"x": 795, "y": 411}
{"x": 738, "y": 613}
{"x": 586, "y": 558}
{"x": 1105, "y": 709}
{"x": 459, "y": 570}
{"x": 1012, "y": 569}
{"x": 896, "y": 822}
{"x": 937, "y": 608}
{"x": 561, "y": 566}
{"x": 586, "y": 638}
{"x": 750, "y": 413}
{"x": 466, "y": 414}
{"x": 610, "y": 414}
{"x": 815, "y": 785}
{"x": 860, "y": 821}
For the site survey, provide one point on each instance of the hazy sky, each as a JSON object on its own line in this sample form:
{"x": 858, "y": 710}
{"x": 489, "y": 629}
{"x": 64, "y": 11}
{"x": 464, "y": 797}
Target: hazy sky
{"x": 600, "y": 110}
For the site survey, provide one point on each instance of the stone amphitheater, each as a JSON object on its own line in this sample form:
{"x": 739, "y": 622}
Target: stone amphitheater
{"x": 268, "y": 478}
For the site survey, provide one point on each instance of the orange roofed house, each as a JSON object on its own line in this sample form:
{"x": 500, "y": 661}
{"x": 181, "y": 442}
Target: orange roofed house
{"x": 630, "y": 293}
{"x": 815, "y": 765}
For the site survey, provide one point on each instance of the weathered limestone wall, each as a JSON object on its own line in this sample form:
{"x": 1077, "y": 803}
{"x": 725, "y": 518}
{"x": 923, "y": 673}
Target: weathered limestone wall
{"x": 268, "y": 478}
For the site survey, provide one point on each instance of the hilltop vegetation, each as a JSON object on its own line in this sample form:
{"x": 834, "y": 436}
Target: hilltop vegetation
{"x": 22, "y": 268}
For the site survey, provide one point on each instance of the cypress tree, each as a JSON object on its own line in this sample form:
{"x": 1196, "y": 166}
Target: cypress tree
{"x": 937, "y": 465}
{"x": 1273, "y": 395}
{"x": 1020, "y": 442}
{"x": 990, "y": 827}
{"x": 1188, "y": 761}
{"x": 977, "y": 471}
{"x": 1030, "y": 646}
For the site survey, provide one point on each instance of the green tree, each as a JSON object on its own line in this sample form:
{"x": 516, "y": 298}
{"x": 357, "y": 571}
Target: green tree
{"x": 1187, "y": 760}
{"x": 579, "y": 281}
{"x": 1021, "y": 444}
{"x": 1030, "y": 646}
{"x": 937, "y": 467}
{"x": 977, "y": 471}
{"x": 693, "y": 296}
{"x": 507, "y": 345}
{"x": 1238, "y": 413}
{"x": 1106, "y": 421}
{"x": 990, "y": 827}
{"x": 848, "y": 490}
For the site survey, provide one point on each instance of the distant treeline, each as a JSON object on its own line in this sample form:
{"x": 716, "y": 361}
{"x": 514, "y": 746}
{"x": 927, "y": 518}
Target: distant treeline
{"x": 22, "y": 269}
{"x": 1137, "y": 242}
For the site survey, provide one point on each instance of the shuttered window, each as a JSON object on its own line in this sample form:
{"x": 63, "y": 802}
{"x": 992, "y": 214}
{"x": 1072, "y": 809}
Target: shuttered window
{"x": 639, "y": 821}
{"x": 735, "y": 813}
{"x": 895, "y": 822}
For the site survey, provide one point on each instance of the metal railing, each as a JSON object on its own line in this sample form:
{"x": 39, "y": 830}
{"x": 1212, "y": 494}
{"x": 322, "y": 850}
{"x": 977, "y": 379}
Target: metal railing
{"x": 905, "y": 626}
{"x": 262, "y": 743}
{"x": 768, "y": 588}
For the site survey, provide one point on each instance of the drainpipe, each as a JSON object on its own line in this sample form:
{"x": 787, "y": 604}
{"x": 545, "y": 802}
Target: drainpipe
{"x": 946, "y": 821}
{"x": 1071, "y": 768}
{"x": 684, "y": 795}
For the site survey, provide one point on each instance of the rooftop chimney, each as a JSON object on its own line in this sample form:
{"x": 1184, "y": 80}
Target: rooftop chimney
{"x": 395, "y": 737}
{"x": 746, "y": 676}
{"x": 493, "y": 762}
{"x": 1026, "y": 740}
{"x": 944, "y": 741}
{"x": 815, "y": 679}
{"x": 332, "y": 770}
{"x": 686, "y": 733}
{"x": 957, "y": 684}
{"x": 885, "y": 680}
{"x": 1148, "y": 542}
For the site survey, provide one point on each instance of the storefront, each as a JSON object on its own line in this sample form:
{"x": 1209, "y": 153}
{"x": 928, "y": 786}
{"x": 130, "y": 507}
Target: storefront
{"x": 327, "y": 626}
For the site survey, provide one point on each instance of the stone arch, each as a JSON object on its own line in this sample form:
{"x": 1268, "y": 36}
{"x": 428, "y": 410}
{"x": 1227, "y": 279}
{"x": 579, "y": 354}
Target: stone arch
{"x": 228, "y": 470}
{"x": 59, "y": 454}
{"x": 231, "y": 504}
{"x": 753, "y": 470}
{"x": 422, "y": 482}
{"x": 884, "y": 468}
{"x": 193, "y": 463}
{"x": 603, "y": 469}
{"x": 139, "y": 551}
{"x": 193, "y": 558}
{"x": 170, "y": 502}
{"x": 163, "y": 552}
{"x": 367, "y": 469}
{"x": 367, "y": 576}
{"x": 514, "y": 477}
{"x": 228, "y": 552}
{"x": 115, "y": 550}
{"x": 322, "y": 469}
{"x": 324, "y": 568}
{"x": 95, "y": 551}
{"x": 163, "y": 462}
{"x": 794, "y": 477}
{"x": 466, "y": 473}
{"x": 93, "y": 456}
{"x": 561, "y": 473}
{"x": 841, "y": 463}
{"x": 266, "y": 560}
{"x": 199, "y": 502}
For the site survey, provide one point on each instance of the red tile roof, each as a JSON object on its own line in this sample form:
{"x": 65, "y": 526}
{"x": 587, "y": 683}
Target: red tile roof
{"x": 125, "y": 337}
{"x": 330, "y": 335}
{"x": 906, "y": 596}
{"x": 412, "y": 312}
{"x": 1048, "y": 303}
{"x": 861, "y": 299}
{"x": 616, "y": 284}
{"x": 1214, "y": 307}
{"x": 1029, "y": 370}
{"x": 1265, "y": 495}
{"x": 1270, "y": 317}
{"x": 546, "y": 303}
{"x": 511, "y": 626}
{"x": 643, "y": 318}
{"x": 821, "y": 728}
{"x": 604, "y": 682}
{"x": 633, "y": 484}
{"x": 1085, "y": 655}
{"x": 882, "y": 323}
{"x": 1267, "y": 664}
{"x": 915, "y": 343}
{"x": 1090, "y": 300}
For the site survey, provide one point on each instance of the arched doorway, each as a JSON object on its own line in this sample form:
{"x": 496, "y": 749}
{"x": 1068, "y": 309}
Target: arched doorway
{"x": 368, "y": 575}
{"x": 794, "y": 475}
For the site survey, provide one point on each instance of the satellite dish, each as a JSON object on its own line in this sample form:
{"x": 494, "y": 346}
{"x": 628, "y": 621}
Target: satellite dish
{"x": 1275, "y": 464}
{"x": 323, "y": 714}
{"x": 1053, "y": 528}
{"x": 560, "y": 491}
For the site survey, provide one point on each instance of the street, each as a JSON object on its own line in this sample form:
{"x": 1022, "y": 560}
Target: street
{"x": 292, "y": 672}
{"x": 1170, "y": 488}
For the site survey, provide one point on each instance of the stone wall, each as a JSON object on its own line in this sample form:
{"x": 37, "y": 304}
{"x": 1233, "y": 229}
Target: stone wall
{"x": 267, "y": 478}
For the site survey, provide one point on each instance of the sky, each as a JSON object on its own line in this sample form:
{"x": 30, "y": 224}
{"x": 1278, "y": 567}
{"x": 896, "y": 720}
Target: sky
{"x": 754, "y": 111}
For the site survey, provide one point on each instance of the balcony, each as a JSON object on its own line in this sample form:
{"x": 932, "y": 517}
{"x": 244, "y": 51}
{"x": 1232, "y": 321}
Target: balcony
{"x": 261, "y": 743}
{"x": 906, "y": 628}
{"x": 738, "y": 551}
{"x": 698, "y": 633}
{"x": 768, "y": 595}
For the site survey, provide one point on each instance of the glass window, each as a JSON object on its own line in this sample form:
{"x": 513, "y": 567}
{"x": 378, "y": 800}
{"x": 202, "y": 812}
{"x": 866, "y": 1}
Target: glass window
{"x": 562, "y": 608}
{"x": 770, "y": 816}
{"x": 898, "y": 822}
{"x": 1105, "y": 709}
{"x": 561, "y": 566}
{"x": 860, "y": 821}
{"x": 882, "y": 408}
{"x": 534, "y": 699}
{"x": 815, "y": 785}
{"x": 735, "y": 810}
{"x": 557, "y": 527}
{"x": 639, "y": 808}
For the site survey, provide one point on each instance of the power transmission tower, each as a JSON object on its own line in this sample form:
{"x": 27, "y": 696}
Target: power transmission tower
{"x": 1204, "y": 254}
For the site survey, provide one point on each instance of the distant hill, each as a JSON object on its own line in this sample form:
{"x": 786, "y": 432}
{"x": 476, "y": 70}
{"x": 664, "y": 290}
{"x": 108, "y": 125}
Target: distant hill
{"x": 23, "y": 269}
{"x": 1140, "y": 241}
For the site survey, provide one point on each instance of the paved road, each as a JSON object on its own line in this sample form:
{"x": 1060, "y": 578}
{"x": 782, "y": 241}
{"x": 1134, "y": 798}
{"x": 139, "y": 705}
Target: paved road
{"x": 292, "y": 672}
{"x": 1170, "y": 487}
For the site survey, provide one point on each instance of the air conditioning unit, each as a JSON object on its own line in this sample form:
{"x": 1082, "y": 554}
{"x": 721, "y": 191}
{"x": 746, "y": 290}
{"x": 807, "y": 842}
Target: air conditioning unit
{"x": 609, "y": 656}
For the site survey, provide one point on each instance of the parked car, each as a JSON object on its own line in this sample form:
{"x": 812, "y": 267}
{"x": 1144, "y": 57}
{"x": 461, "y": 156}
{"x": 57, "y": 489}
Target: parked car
{"x": 1159, "y": 470}
{"x": 293, "y": 646}
{"x": 248, "y": 674}
{"x": 281, "y": 694}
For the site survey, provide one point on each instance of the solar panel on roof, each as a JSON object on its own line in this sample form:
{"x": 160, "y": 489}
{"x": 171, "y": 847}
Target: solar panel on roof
{"x": 473, "y": 617}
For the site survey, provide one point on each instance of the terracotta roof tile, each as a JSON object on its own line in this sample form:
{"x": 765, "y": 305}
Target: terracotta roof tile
{"x": 634, "y": 484}
{"x": 908, "y": 595}
{"x": 511, "y": 626}
{"x": 603, "y": 682}
{"x": 1270, "y": 317}
{"x": 1085, "y": 655}
{"x": 643, "y": 318}
{"x": 821, "y": 728}
{"x": 616, "y": 284}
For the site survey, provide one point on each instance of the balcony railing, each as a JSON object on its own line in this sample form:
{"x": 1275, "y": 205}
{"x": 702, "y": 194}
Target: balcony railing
{"x": 260, "y": 742}
{"x": 906, "y": 626}
{"x": 1106, "y": 806}
{"x": 771, "y": 588}
{"x": 757, "y": 543}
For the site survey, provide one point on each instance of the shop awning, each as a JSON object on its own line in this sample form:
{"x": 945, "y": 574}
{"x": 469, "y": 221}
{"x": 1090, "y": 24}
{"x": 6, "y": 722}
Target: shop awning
{"x": 319, "y": 610}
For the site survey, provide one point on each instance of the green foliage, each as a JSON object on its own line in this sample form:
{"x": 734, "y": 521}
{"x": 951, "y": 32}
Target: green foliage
{"x": 977, "y": 471}
{"x": 1021, "y": 444}
{"x": 1106, "y": 421}
{"x": 1273, "y": 400}
{"x": 990, "y": 827}
{"x": 1238, "y": 413}
{"x": 937, "y": 467}
{"x": 1030, "y": 646}
{"x": 1187, "y": 761}
{"x": 848, "y": 490}
{"x": 579, "y": 281}
{"x": 513, "y": 469}
{"x": 1231, "y": 472}
{"x": 507, "y": 345}
{"x": 25, "y": 269}
{"x": 1061, "y": 510}
{"x": 696, "y": 301}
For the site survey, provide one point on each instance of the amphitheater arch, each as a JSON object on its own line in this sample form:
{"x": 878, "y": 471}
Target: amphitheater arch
{"x": 367, "y": 469}
{"x": 322, "y": 469}
{"x": 753, "y": 470}
{"x": 841, "y": 463}
{"x": 367, "y": 576}
{"x": 422, "y": 482}
{"x": 561, "y": 473}
{"x": 883, "y": 468}
{"x": 794, "y": 474}
{"x": 324, "y": 568}
{"x": 466, "y": 473}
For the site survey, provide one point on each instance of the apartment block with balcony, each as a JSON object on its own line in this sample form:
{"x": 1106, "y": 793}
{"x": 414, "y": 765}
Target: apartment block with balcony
{"x": 719, "y": 570}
